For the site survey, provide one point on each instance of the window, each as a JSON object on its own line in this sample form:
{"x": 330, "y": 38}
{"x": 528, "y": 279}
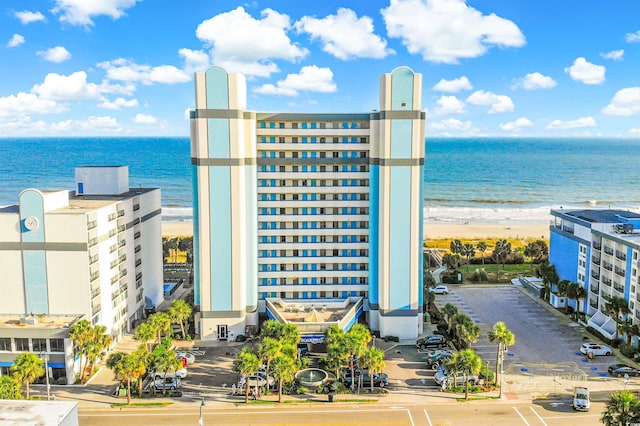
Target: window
{"x": 281, "y": 125}
{"x": 39, "y": 345}
{"x": 22, "y": 345}
{"x": 5, "y": 344}
{"x": 294, "y": 125}
{"x": 281, "y": 139}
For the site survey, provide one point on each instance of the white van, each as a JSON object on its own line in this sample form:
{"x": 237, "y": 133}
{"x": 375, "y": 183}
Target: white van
{"x": 581, "y": 399}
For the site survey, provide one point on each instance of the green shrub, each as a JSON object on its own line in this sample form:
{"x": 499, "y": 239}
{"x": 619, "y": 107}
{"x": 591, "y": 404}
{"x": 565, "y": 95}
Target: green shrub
{"x": 628, "y": 350}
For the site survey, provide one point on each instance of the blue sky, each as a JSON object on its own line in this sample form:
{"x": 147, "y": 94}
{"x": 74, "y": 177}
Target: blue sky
{"x": 490, "y": 67}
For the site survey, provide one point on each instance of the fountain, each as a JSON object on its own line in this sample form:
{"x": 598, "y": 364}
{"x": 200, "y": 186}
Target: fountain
{"x": 312, "y": 377}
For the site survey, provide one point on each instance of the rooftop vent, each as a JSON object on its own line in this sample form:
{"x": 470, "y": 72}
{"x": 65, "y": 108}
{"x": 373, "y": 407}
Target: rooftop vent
{"x": 623, "y": 228}
{"x": 29, "y": 320}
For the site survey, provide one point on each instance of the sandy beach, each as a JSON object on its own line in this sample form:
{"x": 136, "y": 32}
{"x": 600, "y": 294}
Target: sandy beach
{"x": 431, "y": 230}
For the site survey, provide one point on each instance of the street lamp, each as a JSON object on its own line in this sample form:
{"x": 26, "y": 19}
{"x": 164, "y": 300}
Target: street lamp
{"x": 45, "y": 357}
{"x": 201, "y": 421}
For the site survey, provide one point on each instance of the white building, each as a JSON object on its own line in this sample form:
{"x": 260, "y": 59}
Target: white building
{"x": 96, "y": 253}
{"x": 307, "y": 209}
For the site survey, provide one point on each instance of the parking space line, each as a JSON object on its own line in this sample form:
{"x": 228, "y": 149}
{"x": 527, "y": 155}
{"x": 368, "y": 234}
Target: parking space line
{"x": 521, "y": 416}
{"x": 538, "y": 416}
{"x": 427, "y": 416}
{"x": 410, "y": 417}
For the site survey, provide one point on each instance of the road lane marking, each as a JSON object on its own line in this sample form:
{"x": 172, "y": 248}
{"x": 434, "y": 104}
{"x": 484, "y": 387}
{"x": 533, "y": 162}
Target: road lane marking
{"x": 427, "y": 416}
{"x": 538, "y": 416}
{"x": 410, "y": 417}
{"x": 521, "y": 416}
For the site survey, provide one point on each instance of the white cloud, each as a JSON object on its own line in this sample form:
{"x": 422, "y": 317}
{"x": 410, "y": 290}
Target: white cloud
{"x": 455, "y": 85}
{"x": 18, "y": 125}
{"x": 118, "y": 103}
{"x": 448, "y": 105}
{"x": 448, "y": 30}
{"x": 73, "y": 87}
{"x": 633, "y": 37}
{"x": 28, "y": 103}
{"x": 516, "y": 126}
{"x": 345, "y": 36}
{"x": 586, "y": 72}
{"x": 625, "y": 102}
{"x": 27, "y": 17}
{"x": 310, "y": 79}
{"x": 125, "y": 70}
{"x": 81, "y": 12}
{"x": 452, "y": 124}
{"x": 145, "y": 119}
{"x": 194, "y": 60}
{"x": 240, "y": 43}
{"x": 499, "y": 103}
{"x": 572, "y": 124}
{"x": 94, "y": 124}
{"x": 615, "y": 55}
{"x": 16, "y": 40}
{"x": 535, "y": 80}
{"x": 55, "y": 54}
{"x": 635, "y": 131}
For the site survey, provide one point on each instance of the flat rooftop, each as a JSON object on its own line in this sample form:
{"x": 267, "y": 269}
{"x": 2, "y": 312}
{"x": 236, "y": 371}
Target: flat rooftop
{"x": 600, "y": 216}
{"x": 13, "y": 321}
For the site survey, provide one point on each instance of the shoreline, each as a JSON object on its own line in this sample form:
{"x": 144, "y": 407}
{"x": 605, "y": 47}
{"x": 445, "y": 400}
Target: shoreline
{"x": 432, "y": 230}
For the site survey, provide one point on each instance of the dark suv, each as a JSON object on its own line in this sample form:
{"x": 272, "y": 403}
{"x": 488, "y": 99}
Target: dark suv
{"x": 434, "y": 341}
{"x": 379, "y": 379}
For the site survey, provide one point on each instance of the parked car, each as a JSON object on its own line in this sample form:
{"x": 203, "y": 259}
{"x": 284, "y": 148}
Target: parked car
{"x": 433, "y": 341}
{"x": 169, "y": 383}
{"x": 379, "y": 379}
{"x": 182, "y": 373}
{"x": 428, "y": 353}
{"x": 619, "y": 370}
{"x": 263, "y": 373}
{"x": 438, "y": 359}
{"x": 581, "y": 399}
{"x": 191, "y": 358}
{"x": 442, "y": 375}
{"x": 441, "y": 289}
{"x": 595, "y": 349}
{"x": 254, "y": 381}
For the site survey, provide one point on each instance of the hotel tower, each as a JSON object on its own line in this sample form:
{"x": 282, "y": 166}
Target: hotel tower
{"x": 306, "y": 211}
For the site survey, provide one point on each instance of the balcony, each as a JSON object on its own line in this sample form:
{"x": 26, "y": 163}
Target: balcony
{"x": 596, "y": 260}
{"x": 607, "y": 266}
{"x": 619, "y": 272}
{"x": 96, "y": 309}
{"x": 621, "y": 256}
{"x": 593, "y": 303}
{"x": 596, "y": 246}
{"x": 606, "y": 281}
{"x": 608, "y": 250}
{"x": 595, "y": 274}
{"x": 567, "y": 229}
{"x": 619, "y": 288}
{"x": 594, "y": 288}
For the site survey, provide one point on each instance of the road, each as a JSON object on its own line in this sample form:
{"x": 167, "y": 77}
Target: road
{"x": 495, "y": 413}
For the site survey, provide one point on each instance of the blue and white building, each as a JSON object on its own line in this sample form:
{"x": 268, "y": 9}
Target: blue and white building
{"x": 599, "y": 250}
{"x": 307, "y": 209}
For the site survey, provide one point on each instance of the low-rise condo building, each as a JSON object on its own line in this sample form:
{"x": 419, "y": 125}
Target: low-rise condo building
{"x": 311, "y": 213}
{"x": 598, "y": 249}
{"x": 95, "y": 252}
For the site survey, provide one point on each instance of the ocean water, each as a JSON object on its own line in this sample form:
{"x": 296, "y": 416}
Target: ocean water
{"x": 489, "y": 180}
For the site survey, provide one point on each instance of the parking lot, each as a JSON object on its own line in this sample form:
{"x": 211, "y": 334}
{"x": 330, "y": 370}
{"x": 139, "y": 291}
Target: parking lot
{"x": 547, "y": 343}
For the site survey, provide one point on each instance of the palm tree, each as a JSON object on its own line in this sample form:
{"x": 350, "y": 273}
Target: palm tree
{"x": 466, "y": 362}
{"x": 97, "y": 345}
{"x": 467, "y": 331}
{"x": 549, "y": 276}
{"x": 144, "y": 333}
{"x": 10, "y": 388}
{"x": 533, "y": 251}
{"x": 617, "y": 307}
{"x": 268, "y": 349}
{"x": 373, "y": 359}
{"x": 449, "y": 310}
{"x": 356, "y": 341}
{"x": 161, "y": 324}
{"x": 468, "y": 251}
{"x": 81, "y": 333}
{"x": 429, "y": 298}
{"x": 622, "y": 409}
{"x": 563, "y": 287}
{"x": 270, "y": 328}
{"x": 337, "y": 352}
{"x": 178, "y": 313}
{"x": 456, "y": 247}
{"x": 284, "y": 369}
{"x": 451, "y": 261}
{"x": 126, "y": 368}
{"x": 504, "y": 337}
{"x": 500, "y": 253}
{"x": 482, "y": 247}
{"x": 26, "y": 368}
{"x": 166, "y": 363}
{"x": 246, "y": 364}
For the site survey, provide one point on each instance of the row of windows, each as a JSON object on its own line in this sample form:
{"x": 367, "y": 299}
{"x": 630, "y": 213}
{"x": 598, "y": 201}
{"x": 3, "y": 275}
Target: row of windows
{"x": 313, "y": 294}
{"x": 315, "y": 210}
{"x": 313, "y": 139}
{"x": 313, "y": 169}
{"x": 314, "y": 239}
{"x": 285, "y": 267}
{"x": 282, "y": 211}
{"x": 307, "y": 196}
{"x": 314, "y": 125}
{"x": 313, "y": 281}
{"x": 314, "y": 154}
{"x": 312, "y": 225}
{"x": 23, "y": 344}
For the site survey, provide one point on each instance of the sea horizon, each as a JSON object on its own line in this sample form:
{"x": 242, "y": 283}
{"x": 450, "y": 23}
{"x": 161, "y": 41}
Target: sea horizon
{"x": 470, "y": 179}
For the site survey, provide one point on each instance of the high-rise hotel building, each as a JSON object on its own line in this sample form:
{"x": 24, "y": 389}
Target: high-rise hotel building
{"x": 309, "y": 207}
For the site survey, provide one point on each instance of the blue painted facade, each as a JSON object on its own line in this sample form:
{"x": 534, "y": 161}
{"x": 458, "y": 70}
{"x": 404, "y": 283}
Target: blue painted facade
{"x": 400, "y": 239}
{"x": 374, "y": 238}
{"x": 34, "y": 261}
{"x": 563, "y": 253}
